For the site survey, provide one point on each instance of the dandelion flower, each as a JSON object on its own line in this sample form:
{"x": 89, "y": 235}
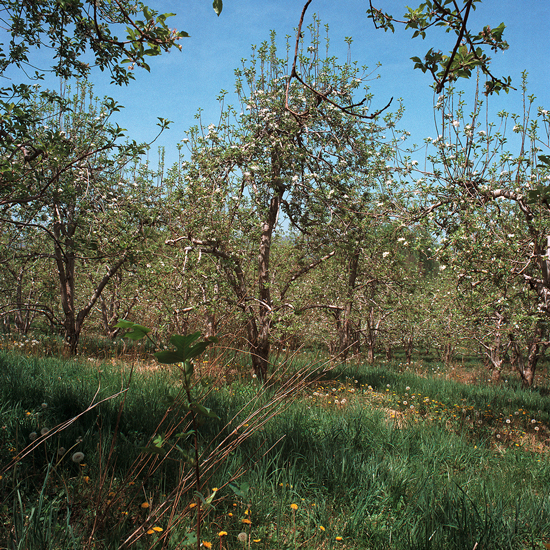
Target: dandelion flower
{"x": 33, "y": 436}
{"x": 222, "y": 534}
{"x": 243, "y": 537}
{"x": 206, "y": 544}
{"x": 78, "y": 457}
{"x": 321, "y": 527}
{"x": 294, "y": 506}
{"x": 339, "y": 539}
{"x": 247, "y": 521}
{"x": 44, "y": 431}
{"x": 256, "y": 540}
{"x": 158, "y": 529}
{"x": 150, "y": 532}
{"x": 144, "y": 505}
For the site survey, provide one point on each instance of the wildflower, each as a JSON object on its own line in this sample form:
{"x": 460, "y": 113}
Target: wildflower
{"x": 247, "y": 521}
{"x": 206, "y": 544}
{"x": 150, "y": 532}
{"x": 87, "y": 479}
{"x": 33, "y": 436}
{"x": 44, "y": 431}
{"x": 294, "y": 506}
{"x": 44, "y": 405}
{"x": 321, "y": 527}
{"x": 385, "y": 254}
{"x": 144, "y": 505}
{"x": 192, "y": 505}
{"x": 61, "y": 451}
{"x": 339, "y": 539}
{"x": 243, "y": 537}
{"x": 222, "y": 534}
{"x": 257, "y": 540}
{"x": 78, "y": 457}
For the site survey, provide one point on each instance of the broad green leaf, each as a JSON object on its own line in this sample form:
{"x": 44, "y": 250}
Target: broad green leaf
{"x": 218, "y": 6}
{"x": 205, "y": 411}
{"x": 135, "y": 331}
{"x": 240, "y": 490}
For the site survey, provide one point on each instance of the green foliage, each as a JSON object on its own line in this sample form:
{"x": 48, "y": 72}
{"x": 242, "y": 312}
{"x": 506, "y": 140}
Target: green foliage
{"x": 350, "y": 468}
{"x": 466, "y": 56}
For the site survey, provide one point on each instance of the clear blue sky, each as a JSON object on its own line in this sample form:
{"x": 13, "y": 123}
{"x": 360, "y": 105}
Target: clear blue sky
{"x": 182, "y": 82}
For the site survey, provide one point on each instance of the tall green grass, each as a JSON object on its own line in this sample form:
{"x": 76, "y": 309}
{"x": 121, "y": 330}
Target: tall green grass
{"x": 354, "y": 472}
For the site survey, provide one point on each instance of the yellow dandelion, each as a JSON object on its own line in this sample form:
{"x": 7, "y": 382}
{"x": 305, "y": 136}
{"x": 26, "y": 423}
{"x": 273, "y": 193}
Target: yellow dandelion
{"x": 87, "y": 479}
{"x": 222, "y": 534}
{"x": 192, "y": 505}
{"x": 215, "y": 490}
{"x": 145, "y": 505}
{"x": 247, "y": 521}
{"x": 321, "y": 527}
{"x": 150, "y": 532}
{"x": 158, "y": 529}
{"x": 294, "y": 506}
{"x": 339, "y": 539}
{"x": 257, "y": 540}
{"x": 206, "y": 544}
{"x": 230, "y": 515}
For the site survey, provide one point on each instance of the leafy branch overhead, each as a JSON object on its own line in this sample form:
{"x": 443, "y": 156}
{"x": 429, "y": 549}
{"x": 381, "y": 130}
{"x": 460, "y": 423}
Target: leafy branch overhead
{"x": 468, "y": 53}
{"x": 115, "y": 36}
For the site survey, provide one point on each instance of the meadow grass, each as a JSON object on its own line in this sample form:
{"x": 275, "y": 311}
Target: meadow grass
{"x": 365, "y": 457}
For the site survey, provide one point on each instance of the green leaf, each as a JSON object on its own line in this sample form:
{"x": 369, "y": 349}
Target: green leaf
{"x": 239, "y": 490}
{"x": 135, "y": 331}
{"x": 190, "y": 539}
{"x": 218, "y": 6}
{"x": 184, "y": 351}
{"x": 154, "y": 450}
{"x": 201, "y": 409}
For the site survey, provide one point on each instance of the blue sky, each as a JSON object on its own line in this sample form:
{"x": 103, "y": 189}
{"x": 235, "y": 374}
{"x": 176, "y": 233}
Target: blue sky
{"x": 182, "y": 82}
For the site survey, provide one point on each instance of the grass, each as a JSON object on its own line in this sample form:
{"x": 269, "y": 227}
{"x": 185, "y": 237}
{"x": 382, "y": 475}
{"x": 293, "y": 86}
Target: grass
{"x": 367, "y": 457}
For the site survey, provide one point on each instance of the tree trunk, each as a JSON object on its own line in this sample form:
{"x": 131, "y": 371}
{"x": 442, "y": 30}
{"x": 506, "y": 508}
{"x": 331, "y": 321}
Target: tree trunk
{"x": 409, "y": 349}
{"x": 348, "y": 334}
{"x": 535, "y": 350}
